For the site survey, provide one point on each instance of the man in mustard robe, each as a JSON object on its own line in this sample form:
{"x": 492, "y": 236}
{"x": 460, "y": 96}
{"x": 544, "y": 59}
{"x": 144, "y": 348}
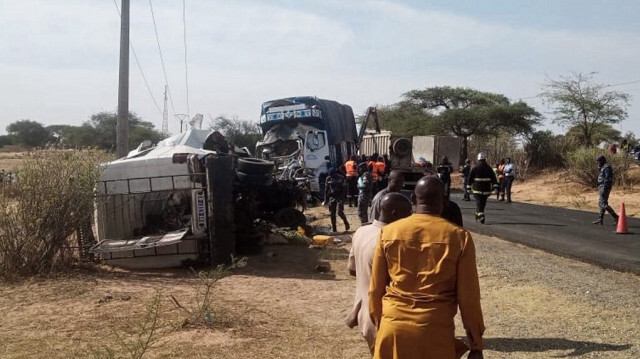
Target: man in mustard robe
{"x": 424, "y": 267}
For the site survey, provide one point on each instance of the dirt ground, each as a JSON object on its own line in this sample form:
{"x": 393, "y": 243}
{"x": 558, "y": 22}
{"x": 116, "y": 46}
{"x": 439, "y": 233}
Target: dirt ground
{"x": 10, "y": 161}
{"x": 536, "y": 305}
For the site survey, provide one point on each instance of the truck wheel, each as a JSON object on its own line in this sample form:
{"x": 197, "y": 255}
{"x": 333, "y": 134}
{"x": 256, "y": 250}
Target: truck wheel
{"x": 402, "y": 147}
{"x": 254, "y": 166}
{"x": 289, "y": 217}
{"x": 255, "y": 179}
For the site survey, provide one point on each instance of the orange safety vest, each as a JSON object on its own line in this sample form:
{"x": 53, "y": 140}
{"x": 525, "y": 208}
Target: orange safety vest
{"x": 380, "y": 168}
{"x": 374, "y": 173}
{"x": 350, "y": 166}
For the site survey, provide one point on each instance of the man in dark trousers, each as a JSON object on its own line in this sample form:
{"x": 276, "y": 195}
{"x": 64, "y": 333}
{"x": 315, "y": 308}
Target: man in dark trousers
{"x": 509, "y": 176}
{"x": 335, "y": 190}
{"x": 444, "y": 172}
{"x": 466, "y": 169}
{"x": 482, "y": 181}
{"x": 351, "y": 168}
{"x": 605, "y": 182}
{"x": 365, "y": 190}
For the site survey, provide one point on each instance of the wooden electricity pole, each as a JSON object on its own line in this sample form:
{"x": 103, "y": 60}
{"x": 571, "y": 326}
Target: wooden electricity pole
{"x": 122, "y": 133}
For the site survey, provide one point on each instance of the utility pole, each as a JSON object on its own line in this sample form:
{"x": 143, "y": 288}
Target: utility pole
{"x": 122, "y": 133}
{"x": 181, "y": 117}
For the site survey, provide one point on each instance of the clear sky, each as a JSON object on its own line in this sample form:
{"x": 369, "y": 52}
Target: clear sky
{"x": 59, "y": 59}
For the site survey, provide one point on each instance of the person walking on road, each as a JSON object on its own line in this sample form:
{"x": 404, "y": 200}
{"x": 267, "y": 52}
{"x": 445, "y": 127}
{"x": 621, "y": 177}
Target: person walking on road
{"x": 482, "y": 180}
{"x": 444, "y": 170}
{"x": 351, "y": 167}
{"x": 335, "y": 189}
{"x": 605, "y": 182}
{"x": 393, "y": 206}
{"x": 465, "y": 177}
{"x": 495, "y": 173}
{"x": 501, "y": 181}
{"x": 509, "y": 176}
{"x": 424, "y": 269}
{"x": 365, "y": 190}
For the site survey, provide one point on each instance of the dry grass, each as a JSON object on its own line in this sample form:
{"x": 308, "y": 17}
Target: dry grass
{"x": 11, "y": 161}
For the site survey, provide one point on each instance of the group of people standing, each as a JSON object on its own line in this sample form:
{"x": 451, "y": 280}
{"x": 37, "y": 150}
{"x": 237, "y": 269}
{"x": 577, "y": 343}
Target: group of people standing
{"x": 482, "y": 181}
{"x": 356, "y": 182}
{"x": 364, "y": 181}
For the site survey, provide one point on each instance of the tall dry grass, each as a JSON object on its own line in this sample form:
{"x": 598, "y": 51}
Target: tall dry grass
{"x": 45, "y": 213}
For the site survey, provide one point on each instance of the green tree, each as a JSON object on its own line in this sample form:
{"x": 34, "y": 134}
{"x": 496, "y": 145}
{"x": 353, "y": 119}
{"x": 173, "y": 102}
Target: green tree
{"x": 100, "y": 131}
{"x": 5, "y": 140}
{"x": 465, "y": 112}
{"x": 579, "y": 102}
{"x": 239, "y": 132}
{"x": 601, "y": 133}
{"x": 29, "y": 133}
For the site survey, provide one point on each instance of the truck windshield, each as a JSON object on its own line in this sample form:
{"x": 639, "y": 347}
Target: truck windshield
{"x": 315, "y": 140}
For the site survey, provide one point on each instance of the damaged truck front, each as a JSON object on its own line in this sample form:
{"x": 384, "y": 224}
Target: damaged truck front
{"x": 306, "y": 135}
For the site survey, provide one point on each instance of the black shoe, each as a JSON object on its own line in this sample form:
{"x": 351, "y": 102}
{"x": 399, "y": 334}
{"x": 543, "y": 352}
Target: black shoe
{"x": 615, "y": 220}
{"x": 597, "y": 221}
{"x": 346, "y": 227}
{"x": 482, "y": 219}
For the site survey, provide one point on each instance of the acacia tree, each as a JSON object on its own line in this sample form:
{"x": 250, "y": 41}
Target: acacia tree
{"x": 405, "y": 118}
{"x": 465, "y": 112}
{"x": 580, "y": 103}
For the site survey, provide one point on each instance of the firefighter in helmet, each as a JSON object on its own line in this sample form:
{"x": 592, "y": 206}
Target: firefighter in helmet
{"x": 482, "y": 182}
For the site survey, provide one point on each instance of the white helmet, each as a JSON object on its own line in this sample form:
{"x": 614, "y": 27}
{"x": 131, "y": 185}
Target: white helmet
{"x": 482, "y": 156}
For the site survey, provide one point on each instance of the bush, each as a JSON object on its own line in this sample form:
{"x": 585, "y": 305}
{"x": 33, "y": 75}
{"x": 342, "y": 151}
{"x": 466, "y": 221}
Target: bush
{"x": 583, "y": 167}
{"x": 48, "y": 211}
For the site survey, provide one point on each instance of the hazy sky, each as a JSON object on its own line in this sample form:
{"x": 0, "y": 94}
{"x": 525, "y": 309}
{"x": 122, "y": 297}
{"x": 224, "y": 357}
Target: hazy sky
{"x": 59, "y": 59}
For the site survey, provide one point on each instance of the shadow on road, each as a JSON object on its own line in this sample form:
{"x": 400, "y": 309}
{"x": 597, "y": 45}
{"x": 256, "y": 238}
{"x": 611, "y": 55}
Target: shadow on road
{"x": 510, "y": 345}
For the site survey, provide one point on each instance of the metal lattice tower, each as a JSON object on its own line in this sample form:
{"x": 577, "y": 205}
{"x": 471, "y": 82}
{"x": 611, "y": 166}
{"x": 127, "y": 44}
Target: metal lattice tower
{"x": 165, "y": 114}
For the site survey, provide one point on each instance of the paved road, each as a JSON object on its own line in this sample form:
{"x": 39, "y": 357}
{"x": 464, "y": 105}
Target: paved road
{"x": 564, "y": 232}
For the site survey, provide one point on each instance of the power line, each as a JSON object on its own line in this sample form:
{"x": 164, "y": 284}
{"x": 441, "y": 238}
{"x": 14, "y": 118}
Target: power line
{"x": 135, "y": 56}
{"x": 624, "y": 83}
{"x": 164, "y": 70}
{"x": 186, "y": 68}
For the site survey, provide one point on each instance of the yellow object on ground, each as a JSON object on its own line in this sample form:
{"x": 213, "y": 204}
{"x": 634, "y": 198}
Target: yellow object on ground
{"x": 322, "y": 239}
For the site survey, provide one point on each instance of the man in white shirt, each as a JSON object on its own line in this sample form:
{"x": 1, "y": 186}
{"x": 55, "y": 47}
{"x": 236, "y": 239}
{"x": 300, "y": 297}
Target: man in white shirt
{"x": 393, "y": 206}
{"x": 509, "y": 176}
